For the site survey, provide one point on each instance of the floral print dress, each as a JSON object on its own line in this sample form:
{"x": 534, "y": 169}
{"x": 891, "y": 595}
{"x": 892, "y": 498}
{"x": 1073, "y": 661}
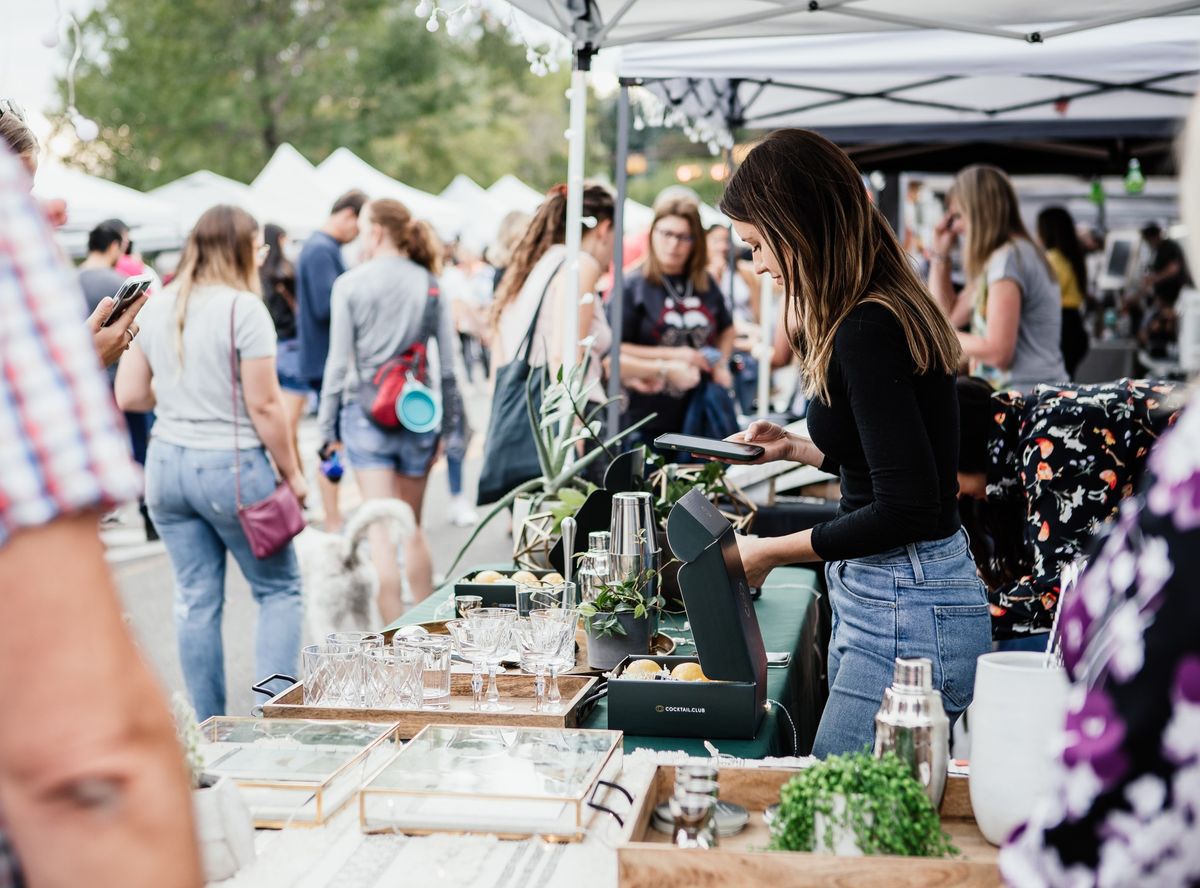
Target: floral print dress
{"x": 1073, "y": 452}
{"x": 1123, "y": 805}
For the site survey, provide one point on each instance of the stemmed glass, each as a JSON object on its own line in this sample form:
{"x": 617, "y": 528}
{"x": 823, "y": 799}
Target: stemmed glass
{"x": 472, "y": 643}
{"x": 495, "y": 626}
{"x": 564, "y": 621}
{"x": 540, "y": 641}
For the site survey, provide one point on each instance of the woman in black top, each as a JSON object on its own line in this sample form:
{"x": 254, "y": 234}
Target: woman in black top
{"x": 879, "y": 359}
{"x": 674, "y": 312}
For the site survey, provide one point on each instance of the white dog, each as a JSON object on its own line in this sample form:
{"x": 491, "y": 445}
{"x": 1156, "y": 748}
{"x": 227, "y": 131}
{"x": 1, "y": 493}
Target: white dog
{"x": 340, "y": 585}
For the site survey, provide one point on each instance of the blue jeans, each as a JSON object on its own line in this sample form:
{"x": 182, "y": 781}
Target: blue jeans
{"x": 924, "y": 600}
{"x": 190, "y": 494}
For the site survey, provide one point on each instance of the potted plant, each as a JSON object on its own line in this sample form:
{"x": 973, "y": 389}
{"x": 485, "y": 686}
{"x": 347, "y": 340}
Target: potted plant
{"x": 565, "y": 419}
{"x": 856, "y": 805}
{"x": 224, "y": 827}
{"x": 621, "y": 620}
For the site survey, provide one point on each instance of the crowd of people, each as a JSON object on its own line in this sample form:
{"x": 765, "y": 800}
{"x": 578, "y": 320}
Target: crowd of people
{"x": 972, "y": 468}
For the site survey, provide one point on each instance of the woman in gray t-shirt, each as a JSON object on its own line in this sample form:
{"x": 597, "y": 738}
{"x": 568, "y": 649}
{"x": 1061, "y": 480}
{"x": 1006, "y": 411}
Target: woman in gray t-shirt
{"x": 1012, "y": 300}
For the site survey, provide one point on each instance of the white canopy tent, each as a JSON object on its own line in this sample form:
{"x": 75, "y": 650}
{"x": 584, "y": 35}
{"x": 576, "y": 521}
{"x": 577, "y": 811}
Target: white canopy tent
{"x": 191, "y": 195}
{"x": 90, "y": 200}
{"x": 511, "y": 193}
{"x": 481, "y": 211}
{"x": 344, "y": 170}
{"x": 292, "y": 193}
{"x": 592, "y": 25}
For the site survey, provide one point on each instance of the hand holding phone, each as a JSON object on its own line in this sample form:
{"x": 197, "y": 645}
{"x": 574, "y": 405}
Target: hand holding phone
{"x": 730, "y": 451}
{"x": 129, "y": 293}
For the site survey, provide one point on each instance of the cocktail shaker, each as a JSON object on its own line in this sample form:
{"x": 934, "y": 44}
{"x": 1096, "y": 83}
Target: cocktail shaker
{"x": 594, "y": 570}
{"x": 633, "y": 539}
{"x": 912, "y": 723}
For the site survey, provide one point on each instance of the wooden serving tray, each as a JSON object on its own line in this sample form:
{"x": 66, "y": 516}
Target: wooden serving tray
{"x": 517, "y": 689}
{"x": 649, "y": 860}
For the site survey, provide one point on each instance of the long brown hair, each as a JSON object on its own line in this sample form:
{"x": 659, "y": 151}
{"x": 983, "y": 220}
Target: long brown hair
{"x": 15, "y": 131}
{"x": 835, "y": 251}
{"x": 993, "y": 215}
{"x": 219, "y": 250}
{"x": 696, "y": 268}
{"x": 406, "y": 233}
{"x": 547, "y": 228}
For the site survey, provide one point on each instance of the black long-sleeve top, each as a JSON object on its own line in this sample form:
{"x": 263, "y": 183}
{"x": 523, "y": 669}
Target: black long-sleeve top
{"x": 892, "y": 435}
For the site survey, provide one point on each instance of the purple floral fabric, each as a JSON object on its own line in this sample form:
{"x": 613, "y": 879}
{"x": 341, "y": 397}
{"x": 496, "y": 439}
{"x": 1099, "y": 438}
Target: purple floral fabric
{"x": 1124, "y": 806}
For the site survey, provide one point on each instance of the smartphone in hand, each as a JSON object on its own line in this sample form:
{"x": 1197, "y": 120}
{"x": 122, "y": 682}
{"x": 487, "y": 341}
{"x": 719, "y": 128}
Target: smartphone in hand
{"x": 714, "y": 447}
{"x": 129, "y": 293}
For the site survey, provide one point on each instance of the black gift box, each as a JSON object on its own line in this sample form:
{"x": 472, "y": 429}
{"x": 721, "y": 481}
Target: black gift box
{"x": 494, "y": 594}
{"x": 728, "y": 642}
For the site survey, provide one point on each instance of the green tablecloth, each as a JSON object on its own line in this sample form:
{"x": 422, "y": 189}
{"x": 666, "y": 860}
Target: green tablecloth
{"x": 787, "y": 616}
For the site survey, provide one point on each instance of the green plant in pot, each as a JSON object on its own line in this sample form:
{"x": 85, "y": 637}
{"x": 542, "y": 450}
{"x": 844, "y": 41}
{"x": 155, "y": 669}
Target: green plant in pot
{"x": 564, "y": 419}
{"x": 857, "y": 804}
{"x": 620, "y": 621}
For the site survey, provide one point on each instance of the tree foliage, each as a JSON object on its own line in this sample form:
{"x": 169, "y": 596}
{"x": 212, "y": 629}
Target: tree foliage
{"x": 182, "y": 85}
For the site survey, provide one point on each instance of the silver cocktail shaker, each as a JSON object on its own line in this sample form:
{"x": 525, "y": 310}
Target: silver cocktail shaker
{"x": 912, "y": 723}
{"x": 633, "y": 539}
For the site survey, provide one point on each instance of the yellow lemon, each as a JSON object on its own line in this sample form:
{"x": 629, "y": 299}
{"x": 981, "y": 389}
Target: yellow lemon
{"x": 553, "y": 579}
{"x": 688, "y": 672}
{"x": 488, "y": 577}
{"x": 525, "y": 578}
{"x": 642, "y": 669}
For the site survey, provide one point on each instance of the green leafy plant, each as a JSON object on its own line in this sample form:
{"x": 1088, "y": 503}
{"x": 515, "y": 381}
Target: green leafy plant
{"x": 565, "y": 419}
{"x": 617, "y": 598}
{"x": 188, "y": 732}
{"x": 885, "y": 807}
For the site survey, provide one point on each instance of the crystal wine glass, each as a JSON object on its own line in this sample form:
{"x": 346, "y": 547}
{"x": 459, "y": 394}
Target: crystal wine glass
{"x": 495, "y": 627}
{"x": 471, "y": 644}
{"x": 539, "y": 641}
{"x": 564, "y": 622}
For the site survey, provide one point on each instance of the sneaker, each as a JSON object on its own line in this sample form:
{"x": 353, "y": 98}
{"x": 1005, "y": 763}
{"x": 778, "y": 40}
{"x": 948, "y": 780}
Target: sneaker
{"x": 461, "y": 513}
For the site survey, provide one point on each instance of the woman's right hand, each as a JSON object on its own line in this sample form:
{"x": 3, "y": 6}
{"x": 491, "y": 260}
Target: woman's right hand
{"x": 944, "y": 235}
{"x": 681, "y": 376}
{"x": 771, "y": 437}
{"x": 298, "y": 485}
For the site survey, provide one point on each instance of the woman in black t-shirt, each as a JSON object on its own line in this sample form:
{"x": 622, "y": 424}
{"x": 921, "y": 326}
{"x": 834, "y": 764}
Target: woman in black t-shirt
{"x": 879, "y": 359}
{"x": 674, "y": 311}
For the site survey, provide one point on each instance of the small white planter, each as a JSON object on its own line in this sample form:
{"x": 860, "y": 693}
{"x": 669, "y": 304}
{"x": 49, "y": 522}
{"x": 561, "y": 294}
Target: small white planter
{"x": 844, "y": 839}
{"x": 224, "y": 829}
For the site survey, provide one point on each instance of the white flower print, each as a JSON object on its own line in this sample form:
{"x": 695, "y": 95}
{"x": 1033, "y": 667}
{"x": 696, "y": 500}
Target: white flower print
{"x": 1129, "y": 647}
{"x": 1146, "y": 795}
{"x": 1154, "y": 568}
{"x": 1181, "y": 740}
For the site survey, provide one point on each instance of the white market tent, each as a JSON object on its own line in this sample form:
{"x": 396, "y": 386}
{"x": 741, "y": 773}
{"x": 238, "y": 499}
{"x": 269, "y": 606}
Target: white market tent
{"x": 592, "y": 25}
{"x": 292, "y": 193}
{"x": 153, "y": 225}
{"x": 511, "y": 193}
{"x": 344, "y": 170}
{"x": 482, "y": 212}
{"x": 1129, "y": 79}
{"x": 191, "y": 195}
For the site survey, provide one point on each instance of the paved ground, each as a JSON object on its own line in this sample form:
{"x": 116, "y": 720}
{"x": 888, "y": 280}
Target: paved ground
{"x": 143, "y": 571}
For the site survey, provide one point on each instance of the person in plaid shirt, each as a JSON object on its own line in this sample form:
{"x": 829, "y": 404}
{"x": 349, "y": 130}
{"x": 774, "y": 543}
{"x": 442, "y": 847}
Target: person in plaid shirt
{"x": 92, "y": 786}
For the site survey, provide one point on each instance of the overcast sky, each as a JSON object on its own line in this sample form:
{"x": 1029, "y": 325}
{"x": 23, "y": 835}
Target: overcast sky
{"x": 27, "y": 67}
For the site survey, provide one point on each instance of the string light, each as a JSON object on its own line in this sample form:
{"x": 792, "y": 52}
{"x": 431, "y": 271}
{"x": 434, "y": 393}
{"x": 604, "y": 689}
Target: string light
{"x": 541, "y": 61}
{"x": 708, "y": 129}
{"x": 86, "y": 130}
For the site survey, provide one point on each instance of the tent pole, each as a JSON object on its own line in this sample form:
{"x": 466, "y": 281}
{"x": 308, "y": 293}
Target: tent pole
{"x": 575, "y": 163}
{"x": 616, "y": 299}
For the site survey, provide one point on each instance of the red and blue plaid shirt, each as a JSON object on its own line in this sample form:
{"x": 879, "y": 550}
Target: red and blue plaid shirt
{"x": 63, "y": 447}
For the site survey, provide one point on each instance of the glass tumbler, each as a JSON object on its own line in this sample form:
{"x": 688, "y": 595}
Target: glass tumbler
{"x": 531, "y": 598}
{"x": 435, "y": 651}
{"x": 394, "y": 678}
{"x": 332, "y": 674}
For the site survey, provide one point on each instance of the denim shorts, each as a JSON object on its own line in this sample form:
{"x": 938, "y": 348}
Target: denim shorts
{"x": 287, "y": 367}
{"x": 923, "y": 600}
{"x": 370, "y": 447}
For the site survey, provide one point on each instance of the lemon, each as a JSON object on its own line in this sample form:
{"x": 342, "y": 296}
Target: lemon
{"x": 688, "y": 672}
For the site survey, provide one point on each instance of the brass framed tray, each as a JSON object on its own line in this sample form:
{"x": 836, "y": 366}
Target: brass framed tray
{"x": 647, "y": 859}
{"x": 516, "y": 688}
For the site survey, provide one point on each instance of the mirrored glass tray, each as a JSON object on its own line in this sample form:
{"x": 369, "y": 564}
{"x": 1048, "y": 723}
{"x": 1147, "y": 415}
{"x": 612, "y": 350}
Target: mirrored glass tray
{"x": 511, "y": 782}
{"x": 294, "y": 772}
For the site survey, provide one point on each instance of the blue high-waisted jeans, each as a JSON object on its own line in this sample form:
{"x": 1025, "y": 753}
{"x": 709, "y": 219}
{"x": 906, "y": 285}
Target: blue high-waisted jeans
{"x": 924, "y": 600}
{"x": 190, "y": 494}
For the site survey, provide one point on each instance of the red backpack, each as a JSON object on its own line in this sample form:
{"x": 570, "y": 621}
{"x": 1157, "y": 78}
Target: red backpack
{"x": 379, "y": 394}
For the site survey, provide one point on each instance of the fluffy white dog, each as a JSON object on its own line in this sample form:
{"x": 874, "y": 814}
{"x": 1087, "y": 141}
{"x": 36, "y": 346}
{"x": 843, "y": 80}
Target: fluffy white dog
{"x": 341, "y": 588}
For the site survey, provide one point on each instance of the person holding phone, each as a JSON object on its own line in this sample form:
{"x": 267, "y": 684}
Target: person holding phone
{"x": 879, "y": 358}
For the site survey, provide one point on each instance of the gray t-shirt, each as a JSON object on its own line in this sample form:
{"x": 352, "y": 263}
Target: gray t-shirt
{"x": 376, "y": 311}
{"x": 1038, "y": 355}
{"x": 98, "y": 283}
{"x": 194, "y": 400}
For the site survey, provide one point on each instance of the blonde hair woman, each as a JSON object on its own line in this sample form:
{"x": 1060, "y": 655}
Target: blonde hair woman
{"x": 213, "y": 425}
{"x": 1012, "y": 299}
{"x": 879, "y": 359}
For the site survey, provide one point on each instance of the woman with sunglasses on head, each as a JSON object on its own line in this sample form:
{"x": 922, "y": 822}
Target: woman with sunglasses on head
{"x": 879, "y": 359}
{"x": 1012, "y": 301}
{"x": 674, "y": 315}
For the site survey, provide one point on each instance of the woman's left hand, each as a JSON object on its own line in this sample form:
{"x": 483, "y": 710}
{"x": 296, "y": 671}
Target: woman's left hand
{"x": 756, "y": 558}
{"x": 722, "y": 377}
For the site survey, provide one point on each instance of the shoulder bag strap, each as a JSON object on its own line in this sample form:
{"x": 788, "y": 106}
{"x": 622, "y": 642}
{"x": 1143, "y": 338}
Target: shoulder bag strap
{"x": 237, "y": 453}
{"x": 523, "y": 349}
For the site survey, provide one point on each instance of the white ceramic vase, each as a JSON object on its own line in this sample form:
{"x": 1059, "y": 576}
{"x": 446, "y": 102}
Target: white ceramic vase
{"x": 844, "y": 838}
{"x": 1016, "y": 715}
{"x": 224, "y": 828}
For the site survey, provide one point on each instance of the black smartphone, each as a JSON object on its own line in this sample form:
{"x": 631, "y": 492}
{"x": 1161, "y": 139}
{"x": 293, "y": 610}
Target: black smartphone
{"x": 709, "y": 447}
{"x": 127, "y": 295}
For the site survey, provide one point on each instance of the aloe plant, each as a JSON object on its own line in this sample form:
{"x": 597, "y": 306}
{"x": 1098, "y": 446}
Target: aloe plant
{"x": 564, "y": 419}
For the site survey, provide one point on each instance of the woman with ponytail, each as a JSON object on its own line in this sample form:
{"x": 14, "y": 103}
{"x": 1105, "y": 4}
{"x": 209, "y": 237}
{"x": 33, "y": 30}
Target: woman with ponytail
{"x": 377, "y": 312}
{"x": 209, "y": 423}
